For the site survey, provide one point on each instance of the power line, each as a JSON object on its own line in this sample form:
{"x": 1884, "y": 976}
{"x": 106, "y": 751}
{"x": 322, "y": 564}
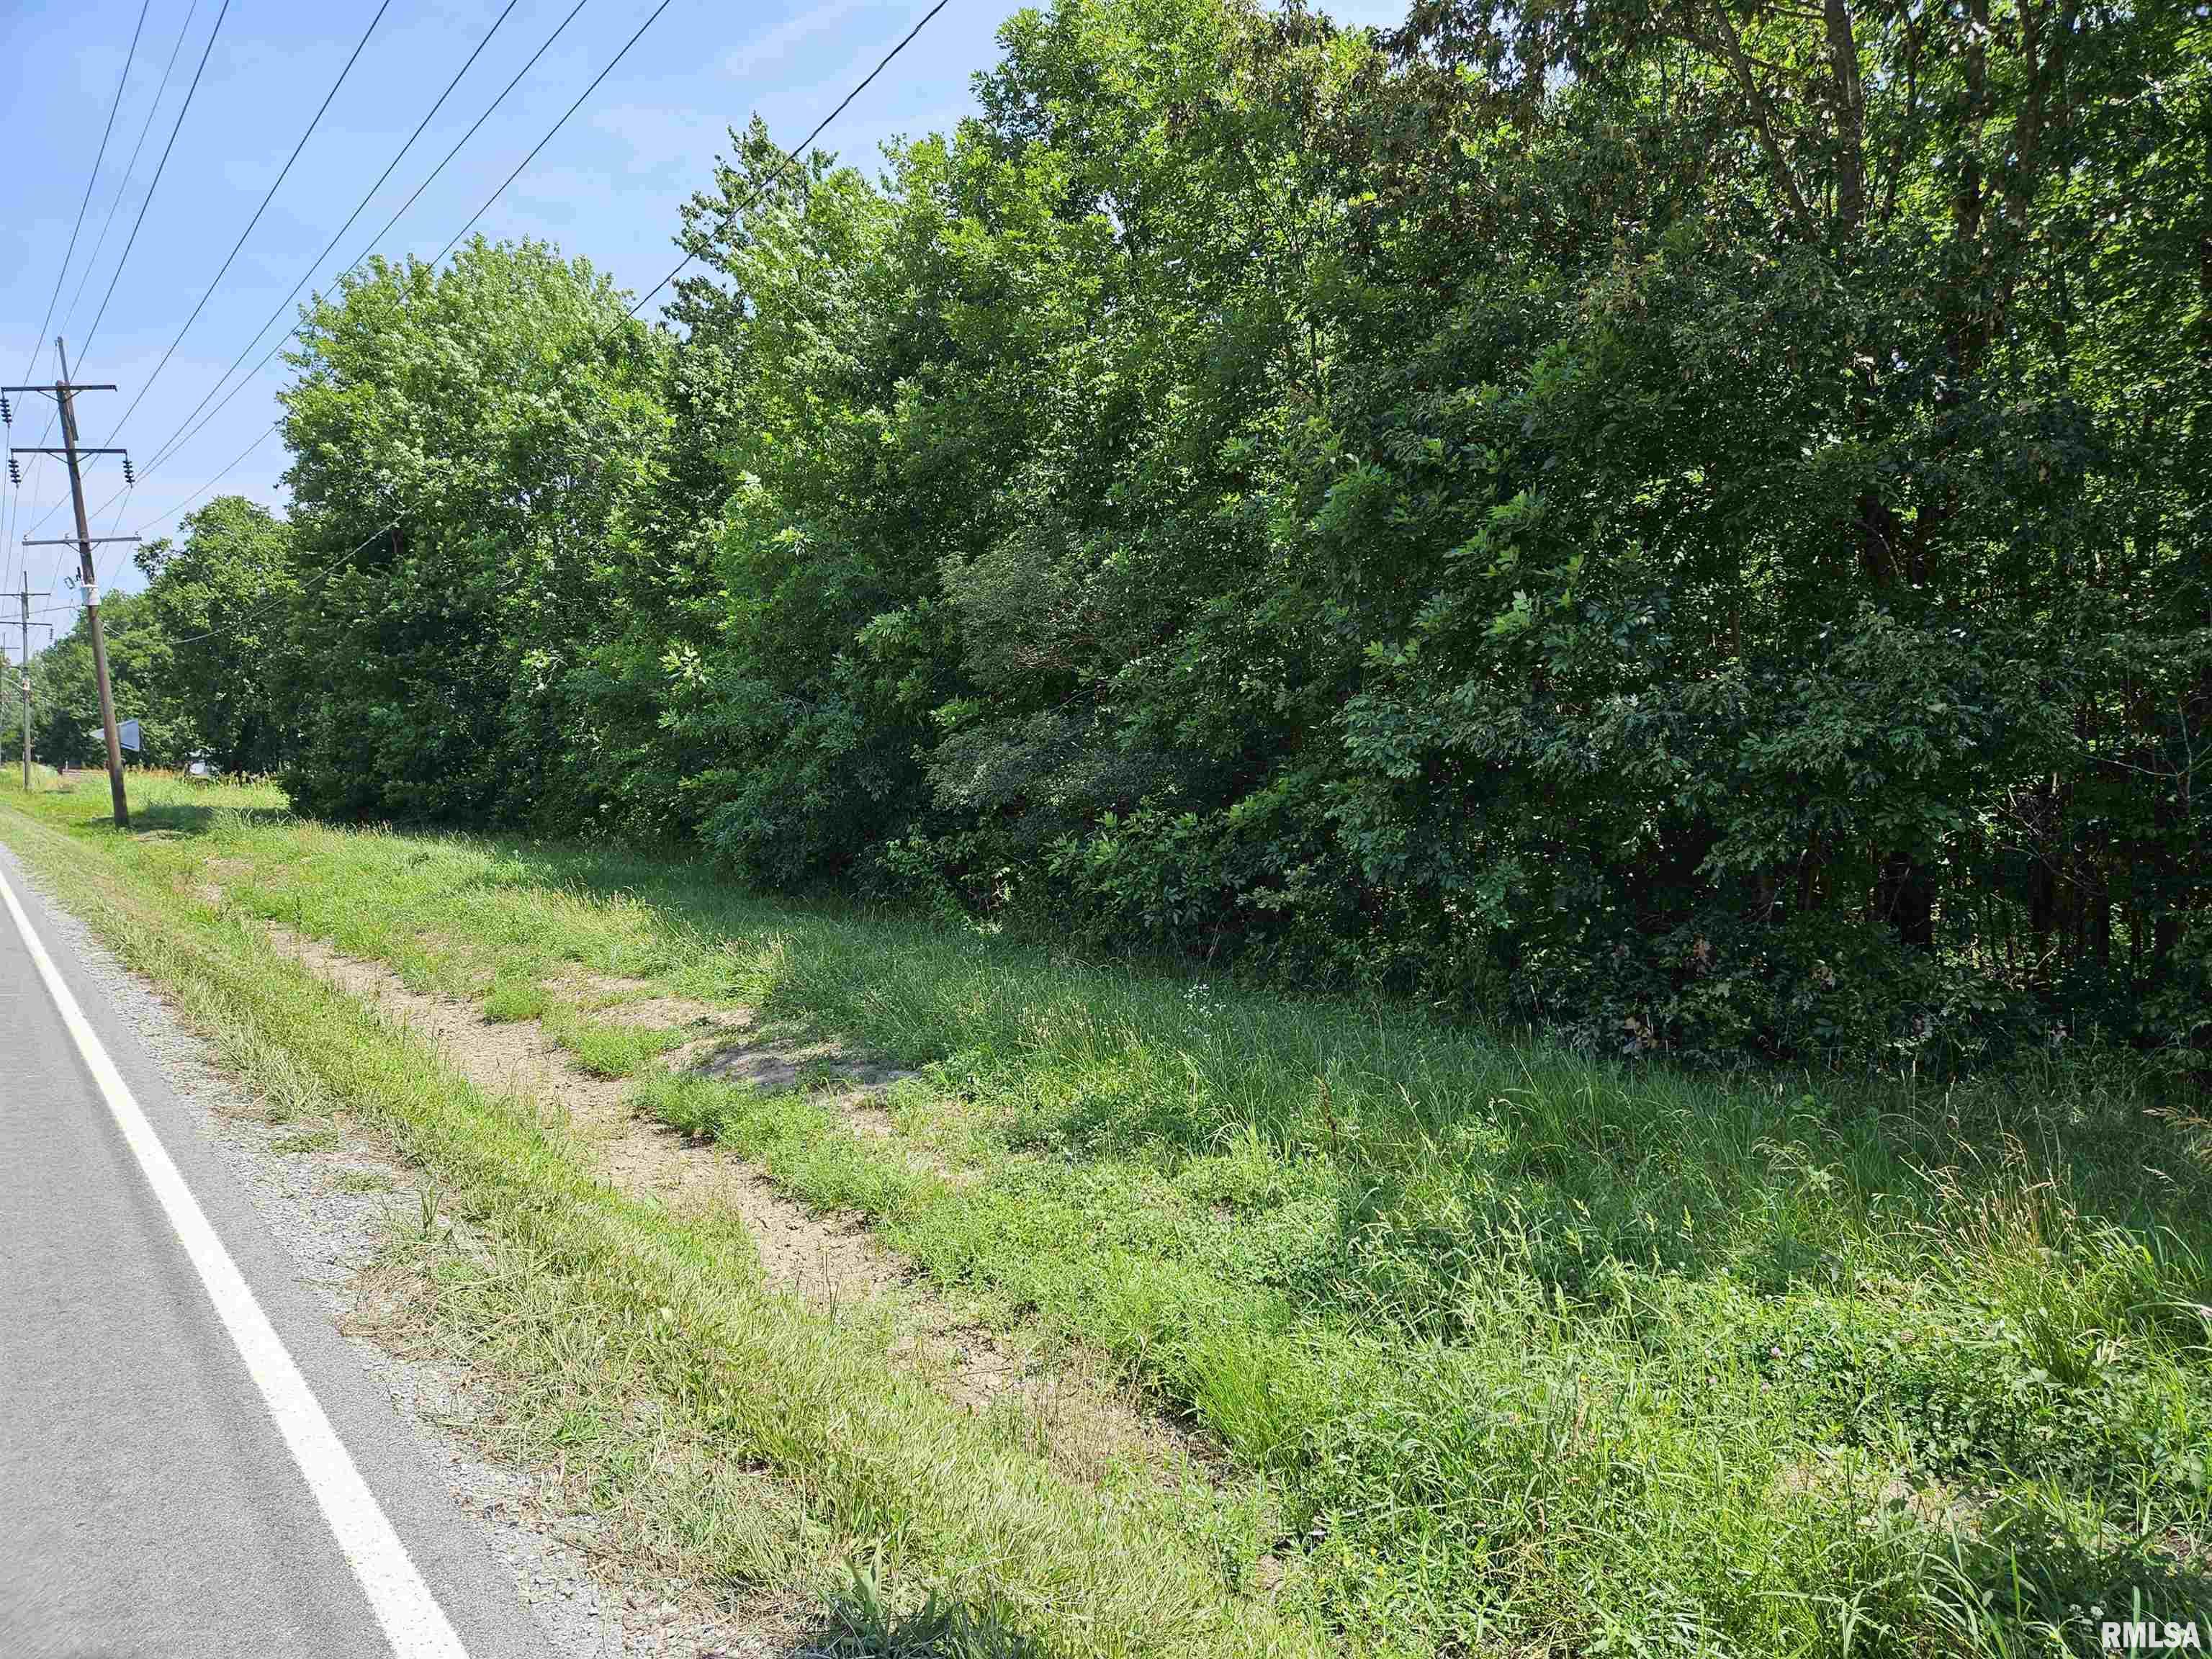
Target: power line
{"x": 807, "y": 143}
{"x": 92, "y": 261}
{"x": 123, "y": 186}
{"x": 650, "y": 20}
{"x": 259, "y": 439}
{"x": 62, "y": 275}
{"x": 284, "y": 172}
{"x": 38, "y": 481}
{"x": 368, "y": 196}
{"x": 278, "y": 603}
{"x": 183, "y": 109}
{"x": 115, "y": 524}
{"x": 177, "y": 439}
{"x": 15, "y": 513}
{"x": 819, "y": 127}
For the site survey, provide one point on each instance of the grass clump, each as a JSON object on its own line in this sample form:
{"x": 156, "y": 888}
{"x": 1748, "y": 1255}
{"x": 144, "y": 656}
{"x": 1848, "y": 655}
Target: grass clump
{"x": 606, "y": 1049}
{"x": 311, "y": 1140}
{"x": 863, "y": 1623}
{"x": 515, "y": 996}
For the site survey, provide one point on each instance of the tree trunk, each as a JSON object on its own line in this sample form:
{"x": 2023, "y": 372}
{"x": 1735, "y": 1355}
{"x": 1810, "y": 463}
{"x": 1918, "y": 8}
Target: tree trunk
{"x": 1905, "y": 898}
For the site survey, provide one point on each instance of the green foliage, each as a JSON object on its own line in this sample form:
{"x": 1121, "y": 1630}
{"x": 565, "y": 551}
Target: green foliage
{"x": 490, "y": 414}
{"x": 1380, "y": 512}
{"x": 1688, "y": 530}
{"x": 225, "y": 598}
{"x": 863, "y": 1625}
{"x": 66, "y": 728}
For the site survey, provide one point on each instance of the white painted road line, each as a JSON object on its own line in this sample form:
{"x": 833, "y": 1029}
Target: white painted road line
{"x": 412, "y": 1622}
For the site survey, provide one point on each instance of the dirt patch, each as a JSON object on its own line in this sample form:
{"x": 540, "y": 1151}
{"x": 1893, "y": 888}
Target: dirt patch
{"x": 1817, "y": 1473}
{"x": 664, "y": 1012}
{"x": 853, "y": 1088}
{"x": 1083, "y": 1426}
{"x": 580, "y": 985}
{"x": 774, "y": 1069}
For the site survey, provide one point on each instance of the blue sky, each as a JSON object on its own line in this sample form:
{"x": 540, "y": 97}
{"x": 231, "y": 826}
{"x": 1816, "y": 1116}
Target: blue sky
{"x": 606, "y": 187}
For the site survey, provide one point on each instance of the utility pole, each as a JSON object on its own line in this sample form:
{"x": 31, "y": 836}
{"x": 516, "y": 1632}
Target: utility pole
{"x": 88, "y": 578}
{"x": 25, "y": 595}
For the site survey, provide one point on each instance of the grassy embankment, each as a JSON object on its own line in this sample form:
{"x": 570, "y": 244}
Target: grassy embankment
{"x": 1507, "y": 1350}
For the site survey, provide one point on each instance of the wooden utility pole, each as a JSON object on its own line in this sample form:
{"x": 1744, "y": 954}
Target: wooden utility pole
{"x": 65, "y": 394}
{"x": 25, "y": 595}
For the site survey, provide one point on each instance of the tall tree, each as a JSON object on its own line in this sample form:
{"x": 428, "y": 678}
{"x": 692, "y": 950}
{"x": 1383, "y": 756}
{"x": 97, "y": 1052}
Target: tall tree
{"x": 224, "y": 596}
{"x": 459, "y": 439}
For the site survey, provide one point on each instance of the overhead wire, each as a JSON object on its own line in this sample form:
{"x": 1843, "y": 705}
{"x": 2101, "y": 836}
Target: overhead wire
{"x": 315, "y": 264}
{"x": 807, "y": 143}
{"x": 61, "y": 275}
{"x": 322, "y": 575}
{"x": 123, "y": 185}
{"x": 788, "y": 156}
{"x": 268, "y": 195}
{"x": 652, "y": 18}
{"x": 13, "y": 515}
{"x": 115, "y": 104}
{"x": 259, "y": 439}
{"x": 114, "y": 524}
{"x": 178, "y": 438}
{"x": 820, "y": 126}
{"x": 132, "y": 241}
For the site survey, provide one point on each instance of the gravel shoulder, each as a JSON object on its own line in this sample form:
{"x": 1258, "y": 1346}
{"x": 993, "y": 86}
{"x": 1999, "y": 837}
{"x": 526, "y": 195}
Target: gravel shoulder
{"x": 330, "y": 1196}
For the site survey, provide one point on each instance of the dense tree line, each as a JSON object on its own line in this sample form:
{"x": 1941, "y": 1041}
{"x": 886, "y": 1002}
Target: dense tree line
{"x": 203, "y": 659}
{"x": 1689, "y": 523}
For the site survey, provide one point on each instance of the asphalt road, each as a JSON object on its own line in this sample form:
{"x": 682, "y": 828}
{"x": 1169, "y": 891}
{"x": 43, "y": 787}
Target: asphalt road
{"x": 149, "y": 1505}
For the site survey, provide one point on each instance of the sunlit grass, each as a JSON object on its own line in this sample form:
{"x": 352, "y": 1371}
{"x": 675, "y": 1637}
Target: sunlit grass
{"x": 1534, "y": 1351}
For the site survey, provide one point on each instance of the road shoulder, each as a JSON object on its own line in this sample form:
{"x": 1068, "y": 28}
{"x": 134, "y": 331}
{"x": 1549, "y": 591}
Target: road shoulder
{"x": 303, "y": 1211}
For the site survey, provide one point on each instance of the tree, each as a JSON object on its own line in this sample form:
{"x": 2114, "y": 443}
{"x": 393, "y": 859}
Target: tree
{"x": 224, "y": 599}
{"x": 65, "y": 726}
{"x": 1687, "y": 523}
{"x": 459, "y": 438}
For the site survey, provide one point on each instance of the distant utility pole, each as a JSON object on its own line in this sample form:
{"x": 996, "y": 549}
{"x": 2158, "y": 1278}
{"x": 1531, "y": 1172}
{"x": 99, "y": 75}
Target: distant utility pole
{"x": 65, "y": 394}
{"x": 25, "y": 595}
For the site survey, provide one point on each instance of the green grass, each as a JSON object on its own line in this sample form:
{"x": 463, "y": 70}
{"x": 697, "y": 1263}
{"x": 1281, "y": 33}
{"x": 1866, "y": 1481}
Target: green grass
{"x": 1522, "y": 1350}
{"x": 605, "y": 1049}
{"x": 314, "y": 1140}
{"x": 729, "y": 1433}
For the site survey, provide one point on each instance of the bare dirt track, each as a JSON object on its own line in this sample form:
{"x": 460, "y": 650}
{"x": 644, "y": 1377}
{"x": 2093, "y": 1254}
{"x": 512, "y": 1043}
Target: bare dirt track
{"x": 1084, "y": 1423}
{"x": 307, "y": 1207}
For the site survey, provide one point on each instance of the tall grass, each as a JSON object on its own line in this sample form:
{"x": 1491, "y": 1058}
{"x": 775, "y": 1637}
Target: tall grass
{"x": 1535, "y": 1351}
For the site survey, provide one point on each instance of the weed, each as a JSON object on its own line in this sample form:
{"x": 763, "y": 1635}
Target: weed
{"x": 862, "y": 1624}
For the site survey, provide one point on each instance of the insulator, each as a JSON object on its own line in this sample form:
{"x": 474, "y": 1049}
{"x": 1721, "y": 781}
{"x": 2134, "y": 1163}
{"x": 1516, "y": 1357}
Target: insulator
{"x": 7, "y": 410}
{"x": 129, "y": 476}
{"x": 15, "y": 472}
